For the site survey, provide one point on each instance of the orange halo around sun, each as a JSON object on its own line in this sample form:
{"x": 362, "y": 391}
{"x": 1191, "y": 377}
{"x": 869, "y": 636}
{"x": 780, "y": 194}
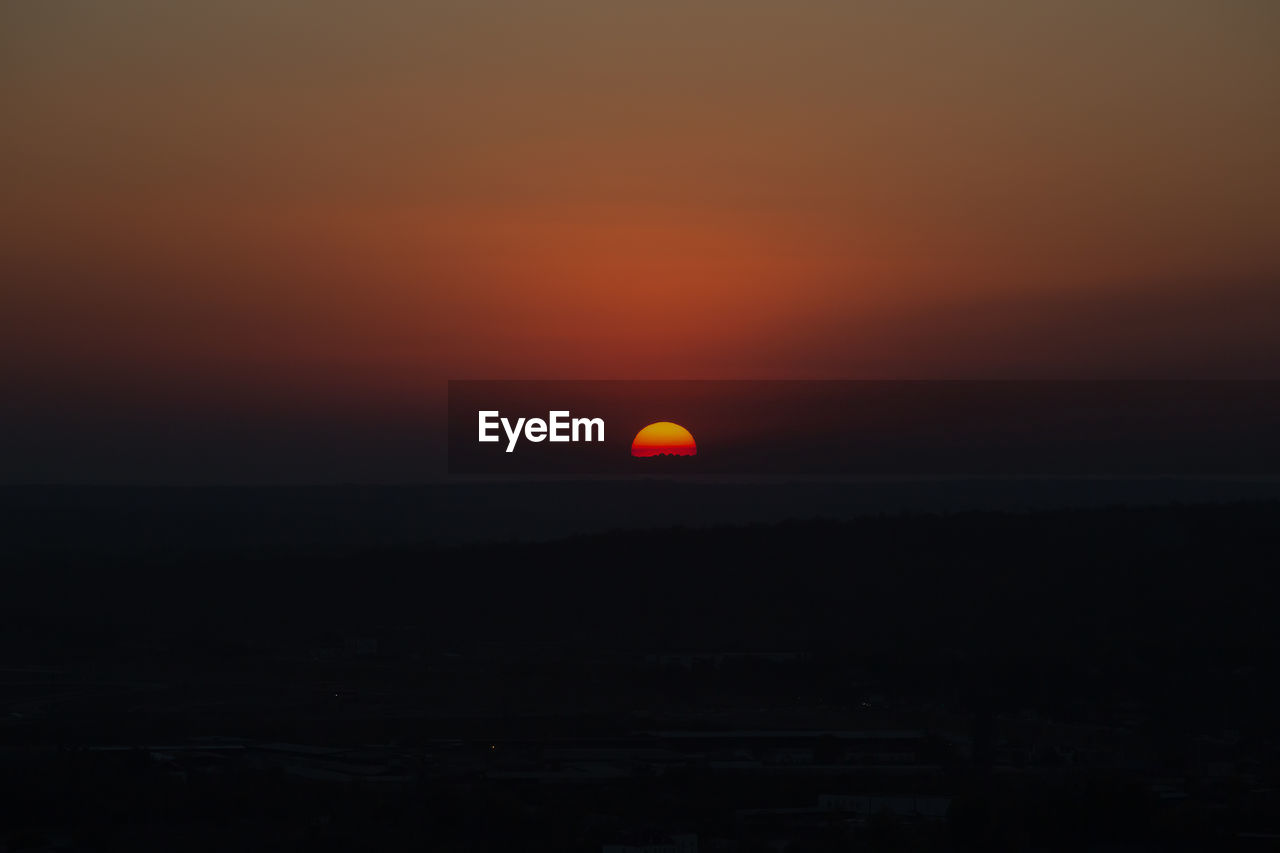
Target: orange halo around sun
{"x": 664, "y": 439}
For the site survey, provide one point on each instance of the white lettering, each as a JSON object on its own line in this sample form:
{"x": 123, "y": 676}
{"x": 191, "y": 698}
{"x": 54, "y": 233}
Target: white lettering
{"x": 512, "y": 434}
{"x": 559, "y": 421}
{"x": 486, "y": 424}
{"x": 559, "y": 427}
{"x": 587, "y": 424}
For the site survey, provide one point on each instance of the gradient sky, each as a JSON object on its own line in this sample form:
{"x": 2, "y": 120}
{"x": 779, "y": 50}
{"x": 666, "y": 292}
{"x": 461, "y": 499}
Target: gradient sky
{"x": 287, "y": 216}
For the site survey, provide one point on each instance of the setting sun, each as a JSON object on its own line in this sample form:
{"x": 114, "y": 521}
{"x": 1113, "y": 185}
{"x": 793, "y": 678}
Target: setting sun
{"x": 664, "y": 438}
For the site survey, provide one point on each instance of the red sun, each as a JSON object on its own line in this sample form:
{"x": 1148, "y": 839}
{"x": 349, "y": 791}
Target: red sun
{"x": 664, "y": 439}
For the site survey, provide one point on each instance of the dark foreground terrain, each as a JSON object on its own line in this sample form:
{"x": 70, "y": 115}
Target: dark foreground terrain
{"x": 1084, "y": 679}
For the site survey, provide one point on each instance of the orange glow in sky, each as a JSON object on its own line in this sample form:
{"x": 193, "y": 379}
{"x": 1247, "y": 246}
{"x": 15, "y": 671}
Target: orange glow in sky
{"x": 264, "y": 213}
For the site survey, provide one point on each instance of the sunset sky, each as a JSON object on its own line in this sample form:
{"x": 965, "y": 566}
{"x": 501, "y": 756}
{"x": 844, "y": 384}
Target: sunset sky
{"x": 266, "y": 218}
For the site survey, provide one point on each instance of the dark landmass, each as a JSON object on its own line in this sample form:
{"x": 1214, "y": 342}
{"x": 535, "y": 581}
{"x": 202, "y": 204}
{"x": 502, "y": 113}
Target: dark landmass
{"x": 115, "y": 518}
{"x": 223, "y": 669}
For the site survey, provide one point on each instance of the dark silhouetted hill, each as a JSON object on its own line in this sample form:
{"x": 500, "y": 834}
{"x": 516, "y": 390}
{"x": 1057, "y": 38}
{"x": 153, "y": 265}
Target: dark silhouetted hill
{"x": 1089, "y": 579}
